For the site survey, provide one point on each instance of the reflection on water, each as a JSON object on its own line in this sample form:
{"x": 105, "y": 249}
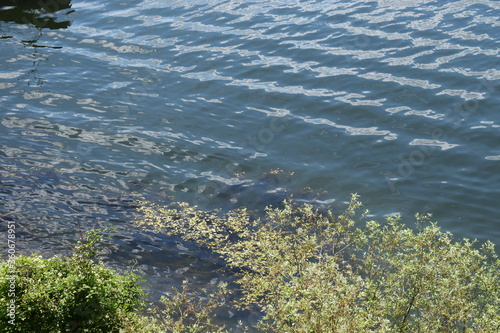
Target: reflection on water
{"x": 35, "y": 12}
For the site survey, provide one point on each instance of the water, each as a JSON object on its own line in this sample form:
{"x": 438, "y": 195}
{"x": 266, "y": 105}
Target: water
{"x": 202, "y": 101}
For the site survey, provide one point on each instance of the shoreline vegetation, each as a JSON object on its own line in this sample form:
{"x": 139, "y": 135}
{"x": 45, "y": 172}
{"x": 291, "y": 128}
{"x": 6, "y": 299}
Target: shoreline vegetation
{"x": 304, "y": 269}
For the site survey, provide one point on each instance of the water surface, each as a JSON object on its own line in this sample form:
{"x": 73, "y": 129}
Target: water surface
{"x": 203, "y": 101}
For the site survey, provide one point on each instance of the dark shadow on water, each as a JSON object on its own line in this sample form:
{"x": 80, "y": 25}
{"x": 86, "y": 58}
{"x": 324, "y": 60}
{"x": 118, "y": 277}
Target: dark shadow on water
{"x": 38, "y": 13}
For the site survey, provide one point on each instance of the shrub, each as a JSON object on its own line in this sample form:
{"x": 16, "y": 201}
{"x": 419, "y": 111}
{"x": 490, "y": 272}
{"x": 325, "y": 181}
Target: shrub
{"x": 312, "y": 271}
{"x": 190, "y": 312}
{"x": 72, "y": 294}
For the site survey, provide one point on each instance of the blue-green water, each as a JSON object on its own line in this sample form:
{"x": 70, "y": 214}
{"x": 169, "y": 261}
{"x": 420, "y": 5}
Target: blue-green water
{"x": 201, "y": 100}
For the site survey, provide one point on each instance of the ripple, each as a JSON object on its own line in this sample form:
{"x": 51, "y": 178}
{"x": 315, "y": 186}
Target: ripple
{"x": 198, "y": 99}
{"x": 436, "y": 143}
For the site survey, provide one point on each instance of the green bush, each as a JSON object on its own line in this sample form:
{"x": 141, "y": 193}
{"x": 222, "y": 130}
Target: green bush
{"x": 73, "y": 294}
{"x": 312, "y": 271}
{"x": 306, "y": 270}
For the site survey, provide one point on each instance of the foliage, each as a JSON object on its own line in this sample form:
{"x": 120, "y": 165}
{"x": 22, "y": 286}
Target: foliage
{"x": 307, "y": 270}
{"x": 73, "y": 294}
{"x": 188, "y": 312}
{"x": 313, "y": 271}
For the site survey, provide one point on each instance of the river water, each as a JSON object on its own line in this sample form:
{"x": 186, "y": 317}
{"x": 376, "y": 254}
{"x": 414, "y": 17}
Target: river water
{"x": 230, "y": 103}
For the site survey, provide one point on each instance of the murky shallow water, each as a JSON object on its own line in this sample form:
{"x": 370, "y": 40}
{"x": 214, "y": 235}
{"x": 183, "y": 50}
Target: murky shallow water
{"x": 199, "y": 100}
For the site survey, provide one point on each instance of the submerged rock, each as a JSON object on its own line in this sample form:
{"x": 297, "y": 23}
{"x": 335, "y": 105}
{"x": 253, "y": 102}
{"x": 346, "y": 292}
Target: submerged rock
{"x": 269, "y": 189}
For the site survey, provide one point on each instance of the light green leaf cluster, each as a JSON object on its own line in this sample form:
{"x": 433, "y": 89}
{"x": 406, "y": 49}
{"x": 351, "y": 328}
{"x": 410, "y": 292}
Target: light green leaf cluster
{"x": 190, "y": 312}
{"x": 312, "y": 271}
